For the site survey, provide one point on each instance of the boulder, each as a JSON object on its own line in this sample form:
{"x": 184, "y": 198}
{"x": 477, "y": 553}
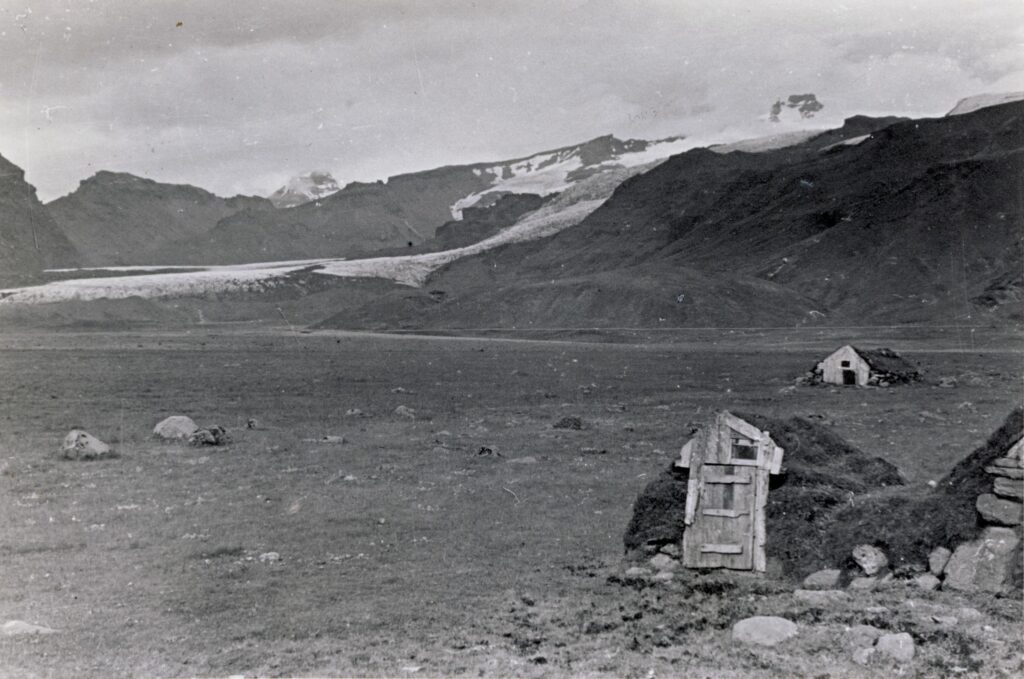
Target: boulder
{"x": 999, "y": 511}
{"x": 870, "y": 559}
{"x": 898, "y": 647}
{"x": 863, "y": 584}
{"x": 406, "y": 412}
{"x": 823, "y": 579}
{"x": 663, "y": 576}
{"x": 927, "y": 582}
{"x": 861, "y": 636}
{"x": 937, "y": 560}
{"x": 175, "y": 427}
{"x": 663, "y": 562}
{"x": 214, "y": 435}
{"x": 1011, "y": 488}
{"x": 81, "y": 445}
{"x": 672, "y": 549}
{"x": 983, "y": 565}
{"x": 764, "y": 630}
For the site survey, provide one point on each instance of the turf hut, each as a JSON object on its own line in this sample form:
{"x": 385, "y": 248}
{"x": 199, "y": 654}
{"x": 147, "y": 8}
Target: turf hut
{"x": 820, "y": 473}
{"x": 851, "y": 366}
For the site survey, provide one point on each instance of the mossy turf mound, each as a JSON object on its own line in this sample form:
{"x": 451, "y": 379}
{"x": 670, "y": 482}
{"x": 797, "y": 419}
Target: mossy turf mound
{"x": 832, "y": 497}
{"x": 820, "y": 472}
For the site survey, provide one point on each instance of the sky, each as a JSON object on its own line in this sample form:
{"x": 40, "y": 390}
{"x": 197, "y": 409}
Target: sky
{"x": 236, "y": 96}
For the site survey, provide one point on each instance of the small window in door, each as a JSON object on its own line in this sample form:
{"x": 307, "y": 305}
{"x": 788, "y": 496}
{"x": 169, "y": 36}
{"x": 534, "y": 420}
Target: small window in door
{"x": 845, "y": 364}
{"x": 744, "y": 449}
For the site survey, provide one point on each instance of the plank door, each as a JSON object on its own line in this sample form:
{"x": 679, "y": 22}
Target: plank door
{"x": 722, "y": 533}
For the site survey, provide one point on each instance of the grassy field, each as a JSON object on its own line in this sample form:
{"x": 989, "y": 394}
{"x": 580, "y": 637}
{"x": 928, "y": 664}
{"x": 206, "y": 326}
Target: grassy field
{"x": 404, "y": 551}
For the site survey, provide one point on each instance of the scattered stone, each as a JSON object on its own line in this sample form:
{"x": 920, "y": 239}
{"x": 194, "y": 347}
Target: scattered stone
{"x": 786, "y": 391}
{"x": 663, "y": 576}
{"x": 999, "y": 511}
{"x": 863, "y": 584}
{"x": 353, "y": 412}
{"x": 927, "y": 582}
{"x": 175, "y": 427}
{"x": 969, "y": 614}
{"x": 946, "y": 620}
{"x": 671, "y": 548}
{"x": 823, "y": 579}
{"x": 947, "y": 382}
{"x": 270, "y": 557}
{"x": 1011, "y": 488}
{"x": 214, "y": 435}
{"x": 251, "y": 423}
{"x": 400, "y": 390}
{"x": 568, "y": 423}
{"x": 899, "y": 647}
{"x": 406, "y": 412}
{"x": 593, "y": 451}
{"x": 937, "y": 560}
{"x": 336, "y": 439}
{"x": 16, "y": 627}
{"x": 984, "y": 564}
{"x": 870, "y": 559}
{"x": 861, "y": 636}
{"x": 81, "y": 445}
{"x": 488, "y": 451}
{"x": 1006, "y": 470}
{"x": 821, "y": 598}
{"x": 637, "y": 572}
{"x": 528, "y": 459}
{"x": 663, "y": 562}
{"x": 862, "y": 656}
{"x": 765, "y": 630}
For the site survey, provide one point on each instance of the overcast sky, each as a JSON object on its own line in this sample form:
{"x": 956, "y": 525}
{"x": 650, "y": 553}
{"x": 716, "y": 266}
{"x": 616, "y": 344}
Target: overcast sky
{"x": 238, "y": 95}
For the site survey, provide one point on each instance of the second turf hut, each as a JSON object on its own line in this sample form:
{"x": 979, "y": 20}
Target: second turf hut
{"x": 849, "y": 365}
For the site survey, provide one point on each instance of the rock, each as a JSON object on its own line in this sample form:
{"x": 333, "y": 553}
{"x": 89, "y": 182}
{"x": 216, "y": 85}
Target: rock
{"x": 672, "y": 549}
{"x": 81, "y": 445}
{"x": 821, "y": 598}
{"x": 947, "y": 382}
{"x": 175, "y": 427}
{"x": 863, "y": 584}
{"x": 898, "y": 647}
{"x": 823, "y": 579}
{"x": 593, "y": 451}
{"x": 353, "y": 412}
{"x": 1011, "y": 488}
{"x": 16, "y": 627}
{"x": 406, "y": 412}
{"x": 270, "y": 557}
{"x": 528, "y": 459}
{"x": 637, "y": 572}
{"x": 765, "y": 630}
{"x": 568, "y": 423}
{"x": 252, "y": 423}
{"x": 999, "y": 511}
{"x": 1005, "y": 470}
{"x": 937, "y": 560}
{"x": 862, "y": 656}
{"x": 946, "y": 620}
{"x": 870, "y": 559}
{"x": 663, "y": 562}
{"x": 214, "y": 435}
{"x": 969, "y": 614}
{"x": 861, "y": 636}
{"x": 983, "y": 565}
{"x": 663, "y": 576}
{"x": 927, "y": 582}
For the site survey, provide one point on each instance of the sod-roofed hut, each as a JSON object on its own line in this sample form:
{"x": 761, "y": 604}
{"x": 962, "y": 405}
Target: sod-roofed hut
{"x": 852, "y": 366}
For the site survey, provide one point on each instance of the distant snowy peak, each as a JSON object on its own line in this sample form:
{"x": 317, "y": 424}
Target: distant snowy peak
{"x": 969, "y": 104}
{"x": 305, "y": 188}
{"x": 554, "y": 171}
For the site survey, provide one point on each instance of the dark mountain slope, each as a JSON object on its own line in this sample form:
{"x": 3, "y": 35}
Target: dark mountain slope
{"x": 117, "y": 218}
{"x": 29, "y": 239}
{"x": 919, "y": 222}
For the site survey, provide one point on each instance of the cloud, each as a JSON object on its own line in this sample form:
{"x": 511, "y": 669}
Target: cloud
{"x": 247, "y": 92}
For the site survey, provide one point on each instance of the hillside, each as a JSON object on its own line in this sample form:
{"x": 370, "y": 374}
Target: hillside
{"x": 915, "y": 222}
{"x": 119, "y": 219}
{"x": 29, "y": 238}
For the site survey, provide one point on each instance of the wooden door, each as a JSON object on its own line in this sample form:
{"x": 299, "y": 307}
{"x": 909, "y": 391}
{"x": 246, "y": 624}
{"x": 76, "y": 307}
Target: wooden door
{"x": 722, "y": 534}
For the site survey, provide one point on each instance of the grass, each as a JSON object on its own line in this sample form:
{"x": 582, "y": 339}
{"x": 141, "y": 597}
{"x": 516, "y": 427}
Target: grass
{"x": 149, "y": 564}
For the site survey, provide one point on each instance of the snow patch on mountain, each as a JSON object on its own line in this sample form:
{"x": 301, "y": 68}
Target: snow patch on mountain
{"x": 968, "y": 104}
{"x": 555, "y": 171}
{"x": 305, "y": 188}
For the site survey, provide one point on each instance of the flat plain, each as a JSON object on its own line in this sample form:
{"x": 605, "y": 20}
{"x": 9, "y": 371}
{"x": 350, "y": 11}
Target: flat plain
{"x": 470, "y": 539}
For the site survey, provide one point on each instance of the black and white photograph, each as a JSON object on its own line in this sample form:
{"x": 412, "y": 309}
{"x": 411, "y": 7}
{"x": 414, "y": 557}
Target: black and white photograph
{"x": 415, "y": 339}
